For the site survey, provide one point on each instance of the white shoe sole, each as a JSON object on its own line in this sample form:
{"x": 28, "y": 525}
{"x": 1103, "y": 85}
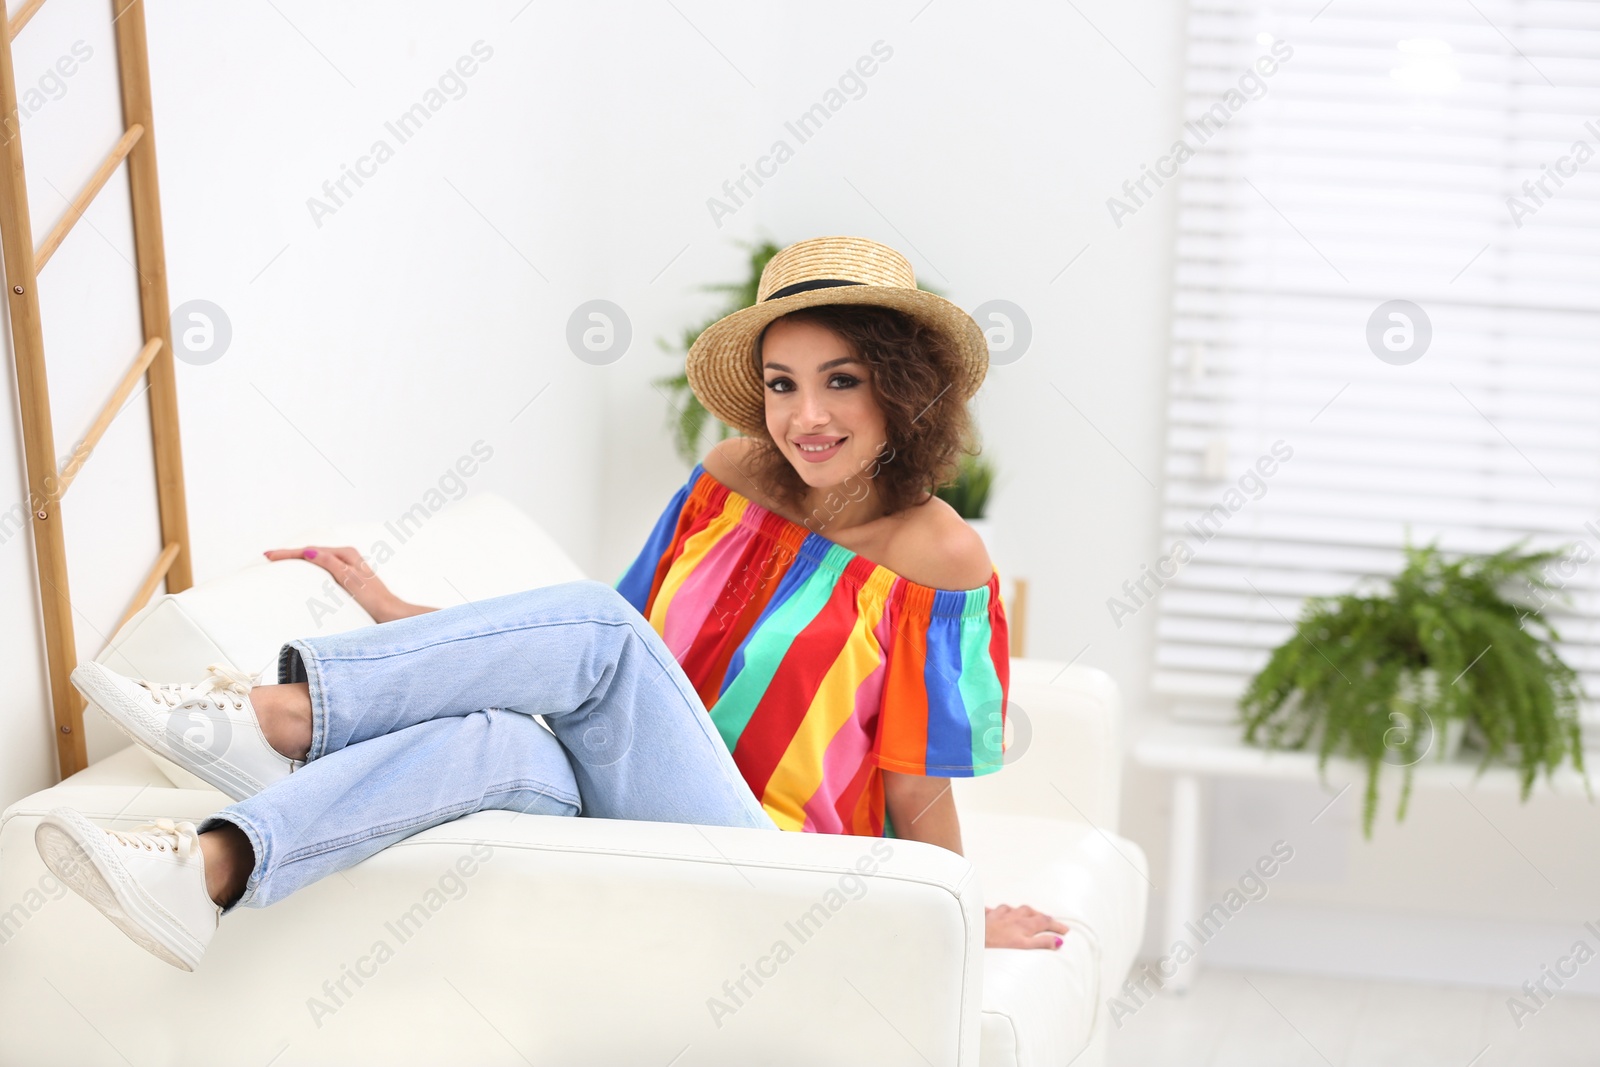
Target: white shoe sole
{"x": 144, "y": 729}
{"x": 76, "y": 852}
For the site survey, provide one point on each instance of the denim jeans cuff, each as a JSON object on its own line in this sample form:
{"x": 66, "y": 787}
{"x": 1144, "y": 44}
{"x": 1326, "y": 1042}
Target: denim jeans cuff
{"x": 290, "y": 667}
{"x": 297, "y": 663}
{"x": 258, "y": 846}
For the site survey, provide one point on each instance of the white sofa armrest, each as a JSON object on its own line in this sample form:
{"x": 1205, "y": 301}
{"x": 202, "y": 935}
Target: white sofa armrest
{"x": 587, "y": 941}
{"x": 1064, "y": 757}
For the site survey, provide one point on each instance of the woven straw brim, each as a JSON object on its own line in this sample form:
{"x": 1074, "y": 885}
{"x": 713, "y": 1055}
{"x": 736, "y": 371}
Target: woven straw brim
{"x": 722, "y": 369}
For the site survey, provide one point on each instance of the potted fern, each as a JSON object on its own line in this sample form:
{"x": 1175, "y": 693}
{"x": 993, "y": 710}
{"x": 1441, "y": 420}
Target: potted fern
{"x": 691, "y": 423}
{"x": 1383, "y": 677}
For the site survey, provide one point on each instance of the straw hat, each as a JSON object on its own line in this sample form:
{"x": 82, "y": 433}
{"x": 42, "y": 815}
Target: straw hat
{"x": 823, "y": 270}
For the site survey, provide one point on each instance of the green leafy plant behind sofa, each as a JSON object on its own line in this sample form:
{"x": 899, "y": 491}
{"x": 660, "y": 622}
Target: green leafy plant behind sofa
{"x": 969, "y": 493}
{"x": 1380, "y": 678}
{"x": 690, "y": 422}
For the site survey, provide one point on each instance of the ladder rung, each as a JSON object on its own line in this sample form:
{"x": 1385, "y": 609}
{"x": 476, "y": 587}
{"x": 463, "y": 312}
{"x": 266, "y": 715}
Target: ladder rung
{"x": 158, "y": 571}
{"x": 86, "y": 195}
{"x": 102, "y": 422}
{"x": 20, "y": 19}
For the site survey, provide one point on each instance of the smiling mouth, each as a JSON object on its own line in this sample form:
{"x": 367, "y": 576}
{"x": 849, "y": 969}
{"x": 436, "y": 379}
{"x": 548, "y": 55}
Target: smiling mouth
{"x": 816, "y": 452}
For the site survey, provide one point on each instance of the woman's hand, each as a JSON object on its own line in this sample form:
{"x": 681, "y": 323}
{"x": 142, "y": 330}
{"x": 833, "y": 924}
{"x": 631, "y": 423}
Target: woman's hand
{"x": 1024, "y": 927}
{"x": 356, "y": 577}
{"x": 922, "y": 809}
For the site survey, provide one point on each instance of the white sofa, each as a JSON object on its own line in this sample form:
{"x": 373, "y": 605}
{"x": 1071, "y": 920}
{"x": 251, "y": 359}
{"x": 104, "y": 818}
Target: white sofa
{"x": 502, "y": 938}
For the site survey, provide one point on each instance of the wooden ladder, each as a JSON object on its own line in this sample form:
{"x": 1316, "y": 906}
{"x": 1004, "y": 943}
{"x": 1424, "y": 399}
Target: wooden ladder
{"x": 23, "y": 262}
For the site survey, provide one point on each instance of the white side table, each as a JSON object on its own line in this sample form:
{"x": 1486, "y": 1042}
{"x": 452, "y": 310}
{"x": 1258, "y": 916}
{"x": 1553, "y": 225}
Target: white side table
{"x": 1194, "y": 751}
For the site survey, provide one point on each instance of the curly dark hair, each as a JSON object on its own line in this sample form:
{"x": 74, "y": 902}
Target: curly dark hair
{"x": 925, "y": 418}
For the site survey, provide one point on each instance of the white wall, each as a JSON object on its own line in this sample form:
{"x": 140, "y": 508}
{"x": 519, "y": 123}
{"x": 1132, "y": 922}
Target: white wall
{"x": 373, "y": 351}
{"x": 405, "y": 327}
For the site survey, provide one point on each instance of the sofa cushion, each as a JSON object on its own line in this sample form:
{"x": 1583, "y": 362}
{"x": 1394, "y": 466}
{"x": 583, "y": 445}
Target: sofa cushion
{"x": 481, "y": 547}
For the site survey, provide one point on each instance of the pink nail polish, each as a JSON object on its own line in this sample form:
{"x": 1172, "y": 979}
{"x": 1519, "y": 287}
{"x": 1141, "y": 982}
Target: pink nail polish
{"x": 1058, "y": 942}
{"x": 309, "y": 553}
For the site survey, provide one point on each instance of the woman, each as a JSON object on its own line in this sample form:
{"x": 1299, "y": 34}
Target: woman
{"x": 841, "y": 624}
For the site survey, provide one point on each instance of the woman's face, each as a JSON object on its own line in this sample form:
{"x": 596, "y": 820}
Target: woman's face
{"x": 821, "y": 411}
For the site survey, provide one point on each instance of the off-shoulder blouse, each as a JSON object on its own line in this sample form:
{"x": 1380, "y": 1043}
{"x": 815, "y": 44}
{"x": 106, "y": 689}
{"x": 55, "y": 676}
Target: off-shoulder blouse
{"x": 820, "y": 668}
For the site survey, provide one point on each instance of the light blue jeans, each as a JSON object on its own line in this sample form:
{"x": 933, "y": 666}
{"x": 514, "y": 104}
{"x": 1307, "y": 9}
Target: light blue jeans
{"x": 422, "y": 720}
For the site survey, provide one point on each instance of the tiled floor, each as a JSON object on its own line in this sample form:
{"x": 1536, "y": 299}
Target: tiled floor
{"x": 1251, "y": 1019}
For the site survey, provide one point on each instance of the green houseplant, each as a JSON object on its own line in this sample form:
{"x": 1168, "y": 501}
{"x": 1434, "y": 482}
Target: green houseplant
{"x": 1381, "y": 677}
{"x": 969, "y": 493}
{"x": 690, "y": 422}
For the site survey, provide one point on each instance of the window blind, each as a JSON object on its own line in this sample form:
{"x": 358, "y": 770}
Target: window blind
{"x": 1445, "y": 155}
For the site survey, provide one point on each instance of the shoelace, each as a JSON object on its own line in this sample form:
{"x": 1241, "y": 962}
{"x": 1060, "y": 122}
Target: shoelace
{"x": 223, "y": 684}
{"x": 182, "y": 836}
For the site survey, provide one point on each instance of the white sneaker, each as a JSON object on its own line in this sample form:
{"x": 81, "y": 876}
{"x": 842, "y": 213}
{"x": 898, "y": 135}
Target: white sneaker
{"x": 151, "y": 882}
{"x": 208, "y": 728}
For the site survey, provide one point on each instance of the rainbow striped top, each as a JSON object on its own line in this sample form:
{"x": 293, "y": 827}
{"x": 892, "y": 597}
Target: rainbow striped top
{"x": 820, "y": 668}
